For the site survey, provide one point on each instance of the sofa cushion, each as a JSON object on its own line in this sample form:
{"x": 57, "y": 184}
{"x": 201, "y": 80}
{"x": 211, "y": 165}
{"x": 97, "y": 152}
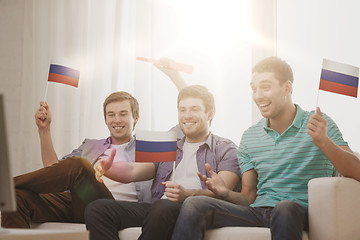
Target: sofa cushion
{"x": 225, "y": 233}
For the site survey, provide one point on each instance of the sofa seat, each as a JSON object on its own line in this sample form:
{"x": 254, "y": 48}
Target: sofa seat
{"x": 225, "y": 233}
{"x": 334, "y": 214}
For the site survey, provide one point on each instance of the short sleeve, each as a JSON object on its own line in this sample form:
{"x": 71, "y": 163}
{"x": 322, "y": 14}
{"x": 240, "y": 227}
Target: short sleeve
{"x": 244, "y": 158}
{"x": 334, "y": 133}
{"x": 228, "y": 160}
{"x": 76, "y": 152}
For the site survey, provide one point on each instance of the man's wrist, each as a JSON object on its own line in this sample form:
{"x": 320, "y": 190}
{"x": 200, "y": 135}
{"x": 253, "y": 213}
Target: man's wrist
{"x": 323, "y": 144}
{"x": 44, "y": 130}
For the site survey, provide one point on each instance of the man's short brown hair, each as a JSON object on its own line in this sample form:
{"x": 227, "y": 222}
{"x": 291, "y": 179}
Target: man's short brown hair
{"x": 122, "y": 96}
{"x": 198, "y": 91}
{"x": 281, "y": 69}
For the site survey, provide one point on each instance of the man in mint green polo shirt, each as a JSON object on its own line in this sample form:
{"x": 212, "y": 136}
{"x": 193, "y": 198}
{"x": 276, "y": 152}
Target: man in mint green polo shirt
{"x": 277, "y": 156}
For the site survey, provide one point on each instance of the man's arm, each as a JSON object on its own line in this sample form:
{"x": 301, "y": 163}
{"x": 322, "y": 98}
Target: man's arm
{"x": 123, "y": 171}
{"x": 177, "y": 193}
{"x": 43, "y": 120}
{"x": 343, "y": 159}
{"x": 217, "y": 185}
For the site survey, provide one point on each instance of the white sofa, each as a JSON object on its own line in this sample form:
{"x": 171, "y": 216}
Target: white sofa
{"x": 334, "y": 214}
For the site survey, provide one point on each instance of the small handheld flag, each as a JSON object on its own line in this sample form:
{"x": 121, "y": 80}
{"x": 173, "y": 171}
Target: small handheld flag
{"x": 187, "y": 68}
{"x": 152, "y": 146}
{"x": 339, "y": 78}
{"x": 61, "y": 74}
{"x": 65, "y": 75}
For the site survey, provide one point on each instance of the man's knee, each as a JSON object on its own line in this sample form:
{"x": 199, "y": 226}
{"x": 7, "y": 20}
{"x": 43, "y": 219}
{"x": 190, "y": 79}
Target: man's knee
{"x": 78, "y": 165}
{"x": 165, "y": 206}
{"x": 76, "y": 162}
{"x": 95, "y": 209}
{"x": 286, "y": 206}
{"x": 163, "y": 210}
{"x": 195, "y": 204}
{"x": 289, "y": 211}
{"x": 288, "y": 220}
{"x": 101, "y": 209}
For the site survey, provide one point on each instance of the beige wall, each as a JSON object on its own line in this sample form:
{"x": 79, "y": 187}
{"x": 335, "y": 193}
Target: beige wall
{"x": 11, "y": 52}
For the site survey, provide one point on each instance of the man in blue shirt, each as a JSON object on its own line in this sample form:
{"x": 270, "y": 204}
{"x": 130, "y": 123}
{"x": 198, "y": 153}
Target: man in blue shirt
{"x": 277, "y": 157}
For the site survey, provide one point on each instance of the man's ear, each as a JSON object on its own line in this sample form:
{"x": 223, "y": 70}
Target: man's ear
{"x": 289, "y": 87}
{"x": 135, "y": 122}
{"x": 211, "y": 115}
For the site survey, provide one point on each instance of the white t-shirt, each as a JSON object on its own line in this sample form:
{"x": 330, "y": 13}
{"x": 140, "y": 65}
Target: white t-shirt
{"x": 186, "y": 170}
{"x": 120, "y": 191}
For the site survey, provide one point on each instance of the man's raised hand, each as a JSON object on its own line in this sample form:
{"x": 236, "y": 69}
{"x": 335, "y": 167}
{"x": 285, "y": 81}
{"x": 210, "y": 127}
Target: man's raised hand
{"x": 317, "y": 127}
{"x": 215, "y": 183}
{"x": 104, "y": 165}
{"x": 43, "y": 116}
{"x": 164, "y": 65}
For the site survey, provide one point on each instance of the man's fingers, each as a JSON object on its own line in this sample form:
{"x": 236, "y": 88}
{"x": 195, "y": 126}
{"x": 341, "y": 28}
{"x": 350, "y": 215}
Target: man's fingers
{"x": 107, "y": 163}
{"x": 99, "y": 180}
{"x": 113, "y": 153}
{"x": 98, "y": 177}
{"x": 164, "y": 62}
{"x": 202, "y": 177}
{"x": 100, "y": 166}
{"x": 209, "y": 169}
{"x": 318, "y": 111}
{"x": 99, "y": 173}
{"x": 170, "y": 184}
{"x": 44, "y": 105}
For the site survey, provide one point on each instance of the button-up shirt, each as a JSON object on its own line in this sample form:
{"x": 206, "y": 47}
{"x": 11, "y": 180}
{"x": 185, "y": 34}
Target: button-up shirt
{"x": 219, "y": 152}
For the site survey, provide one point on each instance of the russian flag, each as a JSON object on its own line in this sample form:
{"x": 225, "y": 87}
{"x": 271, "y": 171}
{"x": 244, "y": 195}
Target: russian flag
{"x": 152, "y": 146}
{"x": 339, "y": 78}
{"x": 65, "y": 75}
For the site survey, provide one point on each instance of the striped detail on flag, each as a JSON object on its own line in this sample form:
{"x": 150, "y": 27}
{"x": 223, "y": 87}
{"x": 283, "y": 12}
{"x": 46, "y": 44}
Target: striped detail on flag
{"x": 65, "y": 75}
{"x": 151, "y": 146}
{"x": 339, "y": 78}
{"x": 155, "y": 156}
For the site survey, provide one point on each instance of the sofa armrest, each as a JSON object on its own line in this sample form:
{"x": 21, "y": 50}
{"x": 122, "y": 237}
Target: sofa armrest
{"x": 334, "y": 208}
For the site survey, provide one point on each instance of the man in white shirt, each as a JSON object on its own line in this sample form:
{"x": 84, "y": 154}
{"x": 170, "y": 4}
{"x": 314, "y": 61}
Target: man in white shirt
{"x": 196, "y": 109}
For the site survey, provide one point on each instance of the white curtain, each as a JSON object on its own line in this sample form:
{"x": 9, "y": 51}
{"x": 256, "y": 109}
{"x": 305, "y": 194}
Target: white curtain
{"x": 87, "y": 32}
{"x": 103, "y": 38}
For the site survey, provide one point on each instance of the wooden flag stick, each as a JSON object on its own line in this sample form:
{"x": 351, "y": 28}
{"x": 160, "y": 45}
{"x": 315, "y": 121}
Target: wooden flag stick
{"x": 173, "y": 175}
{"x": 46, "y": 90}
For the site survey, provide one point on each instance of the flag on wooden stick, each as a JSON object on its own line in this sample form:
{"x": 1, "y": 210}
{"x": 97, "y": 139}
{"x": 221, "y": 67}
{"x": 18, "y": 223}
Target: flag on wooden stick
{"x": 153, "y": 146}
{"x": 339, "y": 78}
{"x": 65, "y": 75}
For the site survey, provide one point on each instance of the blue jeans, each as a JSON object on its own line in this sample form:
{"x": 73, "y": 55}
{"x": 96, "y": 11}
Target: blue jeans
{"x": 286, "y": 220}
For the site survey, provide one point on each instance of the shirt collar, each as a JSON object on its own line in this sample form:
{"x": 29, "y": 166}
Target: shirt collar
{"x": 108, "y": 142}
{"x": 298, "y": 121}
{"x": 208, "y": 141}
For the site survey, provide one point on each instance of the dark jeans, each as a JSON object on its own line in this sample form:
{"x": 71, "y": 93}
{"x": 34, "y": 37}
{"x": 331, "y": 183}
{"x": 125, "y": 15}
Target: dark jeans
{"x": 160, "y": 220}
{"x": 286, "y": 220}
{"x": 104, "y": 218}
{"x": 40, "y": 195}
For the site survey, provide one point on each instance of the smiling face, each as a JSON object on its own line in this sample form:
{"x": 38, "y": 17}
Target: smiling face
{"x": 120, "y": 121}
{"x": 194, "y": 121}
{"x": 272, "y": 97}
